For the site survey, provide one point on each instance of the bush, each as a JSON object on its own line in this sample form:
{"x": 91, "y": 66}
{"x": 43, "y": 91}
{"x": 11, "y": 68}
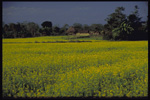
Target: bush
{"x": 122, "y": 32}
{"x": 107, "y": 35}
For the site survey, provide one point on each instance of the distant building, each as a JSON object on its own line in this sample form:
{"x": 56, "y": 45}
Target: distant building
{"x": 71, "y": 30}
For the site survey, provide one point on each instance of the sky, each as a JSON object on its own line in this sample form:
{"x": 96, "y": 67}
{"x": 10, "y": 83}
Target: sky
{"x": 60, "y": 13}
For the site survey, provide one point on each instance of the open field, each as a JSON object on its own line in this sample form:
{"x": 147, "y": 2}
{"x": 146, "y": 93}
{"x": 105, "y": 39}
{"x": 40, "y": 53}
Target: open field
{"x": 52, "y": 39}
{"x": 97, "y": 68}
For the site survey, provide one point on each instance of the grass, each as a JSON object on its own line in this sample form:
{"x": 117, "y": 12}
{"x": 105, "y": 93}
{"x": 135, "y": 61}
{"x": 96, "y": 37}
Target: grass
{"x": 53, "y": 39}
{"x": 100, "y": 69}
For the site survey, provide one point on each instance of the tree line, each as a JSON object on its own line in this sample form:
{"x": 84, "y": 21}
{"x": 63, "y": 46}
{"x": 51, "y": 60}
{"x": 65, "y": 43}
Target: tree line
{"x": 31, "y": 29}
{"x": 119, "y": 26}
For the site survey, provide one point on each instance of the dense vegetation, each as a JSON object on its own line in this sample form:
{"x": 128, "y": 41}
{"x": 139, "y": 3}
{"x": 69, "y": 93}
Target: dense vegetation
{"x": 119, "y": 27}
{"x": 97, "y": 68}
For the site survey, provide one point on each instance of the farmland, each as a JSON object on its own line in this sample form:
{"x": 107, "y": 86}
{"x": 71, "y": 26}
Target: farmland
{"x": 44, "y": 67}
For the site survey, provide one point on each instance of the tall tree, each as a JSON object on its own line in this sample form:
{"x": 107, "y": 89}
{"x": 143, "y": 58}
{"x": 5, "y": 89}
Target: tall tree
{"x": 47, "y": 28}
{"x": 21, "y": 30}
{"x": 33, "y": 28}
{"x": 78, "y": 27}
{"x": 5, "y": 31}
{"x": 113, "y": 21}
{"x": 96, "y": 27}
{"x": 86, "y": 28}
{"x": 46, "y": 24}
{"x": 56, "y": 30}
{"x": 116, "y": 18}
{"x": 64, "y": 29}
{"x": 134, "y": 20}
{"x": 24, "y": 30}
{"x": 122, "y": 32}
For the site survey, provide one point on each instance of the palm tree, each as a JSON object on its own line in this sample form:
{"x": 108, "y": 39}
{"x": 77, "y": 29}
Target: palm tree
{"x": 122, "y": 32}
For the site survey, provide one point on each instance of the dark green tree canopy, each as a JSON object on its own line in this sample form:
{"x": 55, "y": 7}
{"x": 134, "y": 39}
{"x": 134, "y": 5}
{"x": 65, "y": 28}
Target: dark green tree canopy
{"x": 96, "y": 27}
{"x": 47, "y": 28}
{"x": 77, "y": 26}
{"x": 116, "y": 18}
{"x": 56, "y": 30}
{"x": 134, "y": 19}
{"x": 122, "y": 32}
{"x": 47, "y": 24}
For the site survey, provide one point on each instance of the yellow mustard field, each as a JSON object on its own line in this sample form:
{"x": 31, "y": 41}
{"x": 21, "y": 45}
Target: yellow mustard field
{"x": 100, "y": 69}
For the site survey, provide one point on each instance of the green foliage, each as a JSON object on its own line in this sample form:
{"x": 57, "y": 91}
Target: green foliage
{"x": 132, "y": 29}
{"x": 86, "y": 27}
{"x": 96, "y": 27}
{"x": 47, "y": 24}
{"x": 56, "y": 30}
{"x": 46, "y": 31}
{"x": 139, "y": 32}
{"x": 32, "y": 28}
{"x": 77, "y": 25}
{"x": 122, "y": 32}
{"x": 64, "y": 29}
{"x": 115, "y": 19}
{"x": 25, "y": 29}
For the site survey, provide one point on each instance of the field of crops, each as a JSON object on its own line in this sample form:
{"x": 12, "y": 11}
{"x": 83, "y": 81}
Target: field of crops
{"x": 54, "y": 39}
{"x": 101, "y": 69}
